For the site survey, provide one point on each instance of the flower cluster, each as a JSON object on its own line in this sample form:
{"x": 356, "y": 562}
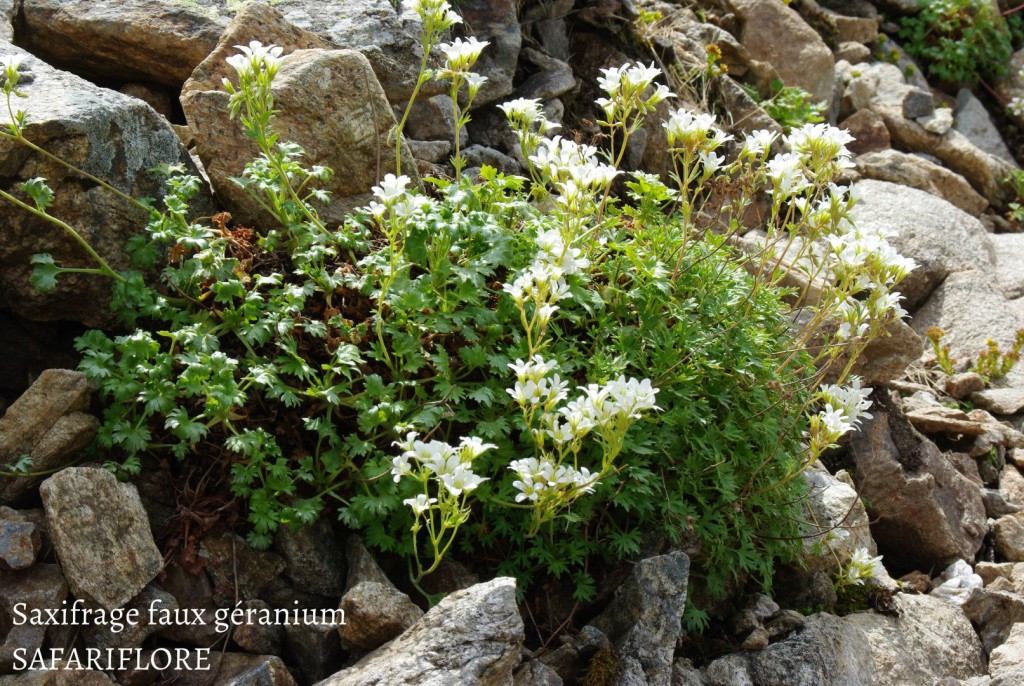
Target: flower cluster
{"x": 451, "y": 466}
{"x": 548, "y": 481}
{"x": 256, "y": 58}
{"x": 539, "y": 478}
{"x": 543, "y": 284}
{"x": 527, "y": 119}
{"x": 392, "y": 196}
{"x": 436, "y": 15}
{"x": 629, "y": 90}
{"x": 1016, "y": 104}
{"x": 842, "y": 409}
{"x": 445, "y": 475}
{"x": 862, "y": 567}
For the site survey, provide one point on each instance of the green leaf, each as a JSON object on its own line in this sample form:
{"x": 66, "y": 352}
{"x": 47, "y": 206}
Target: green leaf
{"x": 44, "y": 275}
{"x": 40, "y": 193}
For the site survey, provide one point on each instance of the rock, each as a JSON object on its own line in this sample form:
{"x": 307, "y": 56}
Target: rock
{"x": 886, "y": 356}
{"x": 939, "y": 122}
{"x": 1000, "y": 400}
{"x": 577, "y": 653}
{"x": 644, "y": 618}
{"x": 990, "y": 571}
{"x": 315, "y": 649}
{"x": 434, "y": 152}
{"x": 917, "y": 103}
{"x": 497, "y": 22}
{"x": 1006, "y": 663}
{"x": 101, "y": 535}
{"x": 231, "y": 563}
{"x": 20, "y": 541}
{"x": 862, "y": 30}
{"x": 534, "y": 673}
{"x": 942, "y": 419}
{"x": 472, "y": 637}
{"x": 111, "y": 136}
{"x": 917, "y": 172}
{"x": 745, "y": 114}
{"x": 993, "y": 614}
{"x": 1008, "y": 537}
{"x": 971, "y": 309}
{"x": 854, "y": 53}
{"x": 258, "y": 639}
{"x": 868, "y": 131}
{"x": 938, "y": 236}
{"x": 330, "y": 104}
{"x": 957, "y": 583}
{"x": 931, "y": 639}
{"x": 996, "y": 504}
{"x": 313, "y": 558}
{"x": 433, "y": 119}
{"x": 236, "y": 669}
{"x": 962, "y": 385}
{"x": 46, "y": 423}
{"x": 159, "y": 100}
{"x": 774, "y": 33}
{"x": 1011, "y": 485}
{"x": 923, "y": 511}
{"x": 731, "y": 670}
{"x": 973, "y": 121}
{"x": 756, "y": 639}
{"x": 61, "y": 676}
{"x": 478, "y": 156}
{"x": 784, "y": 623}
{"x": 983, "y": 171}
{"x": 7, "y": 11}
{"x": 41, "y": 588}
{"x": 124, "y": 40}
{"x": 838, "y": 517}
{"x": 1009, "y": 270}
{"x": 134, "y": 633}
{"x": 555, "y": 77}
{"x": 375, "y": 611}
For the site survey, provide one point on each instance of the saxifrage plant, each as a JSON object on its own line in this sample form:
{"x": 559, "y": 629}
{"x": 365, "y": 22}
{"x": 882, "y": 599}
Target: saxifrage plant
{"x": 477, "y": 358}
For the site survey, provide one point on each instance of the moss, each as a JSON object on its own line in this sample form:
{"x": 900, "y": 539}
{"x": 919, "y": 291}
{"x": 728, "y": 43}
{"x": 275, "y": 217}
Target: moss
{"x": 603, "y": 669}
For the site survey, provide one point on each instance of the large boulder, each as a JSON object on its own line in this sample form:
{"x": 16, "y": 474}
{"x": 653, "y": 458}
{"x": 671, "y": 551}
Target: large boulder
{"x": 471, "y": 638}
{"x": 48, "y": 424}
{"x": 101, "y": 535}
{"x": 160, "y": 41}
{"x": 40, "y": 588}
{"x": 924, "y": 513}
{"x": 644, "y": 619}
{"x": 917, "y": 172}
{"x": 929, "y": 640}
{"x": 774, "y": 33}
{"x": 909, "y": 114}
{"x": 111, "y": 136}
{"x": 941, "y": 238}
{"x": 839, "y": 523}
{"x": 329, "y": 102}
{"x": 375, "y": 611}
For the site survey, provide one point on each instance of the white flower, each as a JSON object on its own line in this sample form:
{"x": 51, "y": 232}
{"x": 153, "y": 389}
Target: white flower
{"x": 436, "y": 15}
{"x": 391, "y": 188}
{"x": 256, "y": 56}
{"x": 863, "y": 566}
{"x": 419, "y": 504}
{"x": 1016, "y": 106}
{"x": 533, "y": 369}
{"x": 400, "y": 466}
{"x": 786, "y": 171}
{"x": 472, "y": 447}
{"x": 852, "y": 401}
{"x": 758, "y": 142}
{"x": 461, "y": 479}
{"x": 462, "y": 54}
{"x": 474, "y": 81}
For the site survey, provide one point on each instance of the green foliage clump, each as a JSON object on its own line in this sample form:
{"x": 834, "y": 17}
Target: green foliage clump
{"x": 377, "y": 369}
{"x": 960, "y": 40}
{"x": 791, "y": 106}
